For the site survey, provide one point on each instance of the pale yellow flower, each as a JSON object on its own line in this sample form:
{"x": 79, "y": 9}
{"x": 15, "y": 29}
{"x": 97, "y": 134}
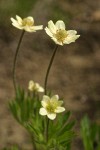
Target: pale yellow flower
{"x": 26, "y": 24}
{"x": 58, "y": 33}
{"x": 35, "y": 87}
{"x": 51, "y": 106}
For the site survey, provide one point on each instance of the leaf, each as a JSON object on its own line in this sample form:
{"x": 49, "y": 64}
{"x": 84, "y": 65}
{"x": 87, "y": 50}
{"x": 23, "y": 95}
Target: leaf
{"x": 67, "y": 127}
{"x": 66, "y": 137}
{"x": 11, "y": 148}
{"x": 62, "y": 119}
{"x": 86, "y": 133}
{"x": 66, "y": 117}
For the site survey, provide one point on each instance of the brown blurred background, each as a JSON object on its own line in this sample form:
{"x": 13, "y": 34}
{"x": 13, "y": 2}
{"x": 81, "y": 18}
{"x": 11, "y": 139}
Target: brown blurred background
{"x": 75, "y": 74}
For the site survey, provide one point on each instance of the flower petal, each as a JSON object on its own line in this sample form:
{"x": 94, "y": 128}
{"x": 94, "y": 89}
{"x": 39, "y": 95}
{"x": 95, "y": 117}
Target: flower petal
{"x": 60, "y": 25}
{"x": 15, "y": 23}
{"x": 51, "y": 116}
{"x": 71, "y": 32}
{"x": 59, "y": 109}
{"x": 31, "y": 85}
{"x": 40, "y": 27}
{"x": 60, "y": 103}
{"x": 55, "y": 40}
{"x": 30, "y": 18}
{"x": 45, "y": 100}
{"x": 41, "y": 89}
{"x": 55, "y": 98}
{"x": 33, "y": 28}
{"x": 13, "y": 20}
{"x": 31, "y": 82}
{"x": 17, "y": 26}
{"x": 19, "y": 19}
{"x": 42, "y": 112}
{"x": 48, "y": 32}
{"x": 27, "y": 28}
{"x": 71, "y": 39}
{"x": 52, "y": 27}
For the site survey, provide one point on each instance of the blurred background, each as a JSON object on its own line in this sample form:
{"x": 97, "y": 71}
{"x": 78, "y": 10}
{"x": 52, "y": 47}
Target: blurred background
{"x": 75, "y": 74}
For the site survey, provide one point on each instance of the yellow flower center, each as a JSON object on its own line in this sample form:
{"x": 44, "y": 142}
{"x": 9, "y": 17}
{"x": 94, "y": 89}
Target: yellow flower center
{"x": 51, "y": 106}
{"x": 61, "y": 35}
{"x": 27, "y": 22}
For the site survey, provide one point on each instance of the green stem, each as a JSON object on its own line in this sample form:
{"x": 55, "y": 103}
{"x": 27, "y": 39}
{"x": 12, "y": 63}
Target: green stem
{"x": 47, "y": 129}
{"x": 32, "y": 139}
{"x": 15, "y": 60}
{"x": 48, "y": 69}
{"x": 33, "y": 143}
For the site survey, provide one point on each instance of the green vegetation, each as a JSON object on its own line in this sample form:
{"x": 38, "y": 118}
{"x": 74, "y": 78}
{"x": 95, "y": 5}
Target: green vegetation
{"x": 25, "y": 109}
{"x": 90, "y": 134}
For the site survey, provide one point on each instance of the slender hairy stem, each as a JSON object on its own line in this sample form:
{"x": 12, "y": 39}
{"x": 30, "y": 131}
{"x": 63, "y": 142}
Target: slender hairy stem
{"x": 15, "y": 60}
{"x": 33, "y": 143}
{"x": 45, "y": 87}
{"x": 46, "y": 129}
{"x": 32, "y": 139}
{"x": 48, "y": 70}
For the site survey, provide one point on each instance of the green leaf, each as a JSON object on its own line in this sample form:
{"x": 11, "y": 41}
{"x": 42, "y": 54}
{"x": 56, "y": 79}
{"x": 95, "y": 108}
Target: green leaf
{"x": 62, "y": 119}
{"x": 11, "y": 148}
{"x": 24, "y": 106}
{"x": 67, "y": 127}
{"x": 86, "y": 133}
{"x": 66, "y": 137}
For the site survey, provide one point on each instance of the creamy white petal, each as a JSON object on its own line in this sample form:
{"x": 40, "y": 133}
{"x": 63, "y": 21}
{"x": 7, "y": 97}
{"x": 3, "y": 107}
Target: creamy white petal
{"x": 30, "y": 18}
{"x": 45, "y": 101}
{"x": 51, "y": 116}
{"x": 19, "y": 19}
{"x": 60, "y": 103}
{"x": 71, "y": 39}
{"x": 60, "y": 25}
{"x": 41, "y": 89}
{"x": 77, "y": 36}
{"x": 48, "y": 32}
{"x": 55, "y": 97}
{"x": 55, "y": 40}
{"x": 37, "y": 85}
{"x": 59, "y": 109}
{"x": 31, "y": 85}
{"x": 42, "y": 112}
{"x": 52, "y": 27}
{"x": 46, "y": 98}
{"x": 27, "y": 28}
{"x": 71, "y": 32}
{"x": 40, "y": 27}
{"x": 68, "y": 41}
{"x": 14, "y": 22}
{"x": 31, "y": 82}
{"x": 17, "y": 26}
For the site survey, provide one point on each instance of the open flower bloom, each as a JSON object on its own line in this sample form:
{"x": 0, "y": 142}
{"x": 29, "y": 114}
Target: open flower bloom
{"x": 26, "y": 24}
{"x": 35, "y": 87}
{"x": 51, "y": 106}
{"x": 58, "y": 33}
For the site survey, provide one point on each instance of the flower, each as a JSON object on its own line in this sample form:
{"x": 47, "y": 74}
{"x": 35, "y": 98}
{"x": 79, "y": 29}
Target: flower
{"x": 35, "y": 87}
{"x": 51, "y": 106}
{"x": 26, "y": 24}
{"x": 58, "y": 33}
